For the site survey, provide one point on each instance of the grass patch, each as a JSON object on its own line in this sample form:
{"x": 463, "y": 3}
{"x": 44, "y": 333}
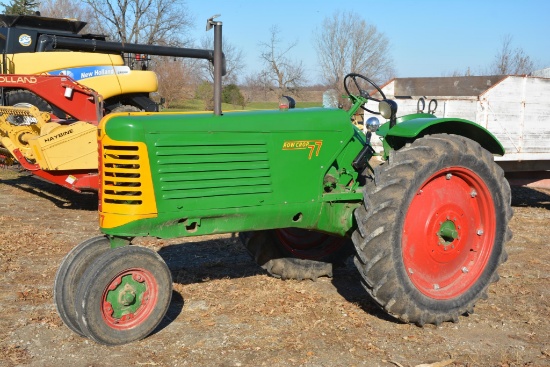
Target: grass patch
{"x": 275, "y": 105}
{"x": 198, "y": 105}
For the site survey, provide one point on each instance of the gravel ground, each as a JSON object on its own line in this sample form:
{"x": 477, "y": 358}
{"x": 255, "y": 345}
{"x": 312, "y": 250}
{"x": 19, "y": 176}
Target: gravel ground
{"x": 226, "y": 312}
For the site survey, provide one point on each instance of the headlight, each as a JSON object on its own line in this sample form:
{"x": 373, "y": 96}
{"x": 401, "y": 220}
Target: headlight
{"x": 387, "y": 108}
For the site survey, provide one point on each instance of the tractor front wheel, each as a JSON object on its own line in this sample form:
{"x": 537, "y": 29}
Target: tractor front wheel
{"x": 432, "y": 231}
{"x": 69, "y": 274}
{"x": 295, "y": 253}
{"x": 123, "y": 296}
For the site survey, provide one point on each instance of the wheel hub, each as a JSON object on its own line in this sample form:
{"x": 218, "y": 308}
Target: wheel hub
{"x": 126, "y": 299}
{"x": 447, "y": 233}
{"x": 127, "y": 296}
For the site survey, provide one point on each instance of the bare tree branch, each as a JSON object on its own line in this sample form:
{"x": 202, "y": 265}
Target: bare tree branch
{"x": 284, "y": 74}
{"x": 177, "y": 79}
{"x": 511, "y": 61}
{"x": 234, "y": 60}
{"x": 346, "y": 44}
{"x": 142, "y": 21}
{"x": 69, "y": 9}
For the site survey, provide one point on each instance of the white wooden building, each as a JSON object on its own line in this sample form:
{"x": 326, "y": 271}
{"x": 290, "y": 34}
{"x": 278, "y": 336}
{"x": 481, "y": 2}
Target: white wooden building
{"x": 516, "y": 109}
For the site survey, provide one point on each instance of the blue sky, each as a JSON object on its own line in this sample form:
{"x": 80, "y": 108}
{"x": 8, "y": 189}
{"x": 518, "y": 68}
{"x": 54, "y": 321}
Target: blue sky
{"x": 427, "y": 37}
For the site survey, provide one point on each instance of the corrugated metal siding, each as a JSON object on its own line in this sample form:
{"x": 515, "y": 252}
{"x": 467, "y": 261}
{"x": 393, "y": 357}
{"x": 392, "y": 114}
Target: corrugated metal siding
{"x": 520, "y": 108}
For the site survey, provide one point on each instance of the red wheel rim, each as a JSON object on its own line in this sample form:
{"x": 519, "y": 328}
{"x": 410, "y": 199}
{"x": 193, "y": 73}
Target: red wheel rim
{"x": 448, "y": 233}
{"x": 129, "y": 299}
{"x": 311, "y": 245}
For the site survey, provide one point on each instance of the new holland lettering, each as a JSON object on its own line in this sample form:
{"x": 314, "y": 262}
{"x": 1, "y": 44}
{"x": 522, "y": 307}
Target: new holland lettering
{"x": 17, "y": 79}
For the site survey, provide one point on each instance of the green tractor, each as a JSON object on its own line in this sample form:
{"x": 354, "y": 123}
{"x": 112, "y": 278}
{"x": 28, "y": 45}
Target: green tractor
{"x": 427, "y": 227}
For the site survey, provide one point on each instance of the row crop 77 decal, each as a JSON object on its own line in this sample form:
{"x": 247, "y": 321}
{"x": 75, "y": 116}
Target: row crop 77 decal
{"x": 314, "y": 146}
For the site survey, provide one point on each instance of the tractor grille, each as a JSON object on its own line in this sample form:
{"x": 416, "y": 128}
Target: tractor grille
{"x": 122, "y": 175}
{"x": 203, "y": 169}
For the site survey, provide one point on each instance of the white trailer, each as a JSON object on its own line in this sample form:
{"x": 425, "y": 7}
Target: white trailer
{"x": 516, "y": 109}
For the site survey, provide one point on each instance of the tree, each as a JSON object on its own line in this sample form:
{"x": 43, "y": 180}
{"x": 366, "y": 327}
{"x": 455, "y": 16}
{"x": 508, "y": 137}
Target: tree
{"x": 177, "y": 79}
{"x": 510, "y": 61}
{"x": 283, "y": 74}
{"x": 64, "y": 9}
{"x": 232, "y": 94}
{"x": 257, "y": 84}
{"x": 234, "y": 63}
{"x": 142, "y": 21}
{"x": 205, "y": 92}
{"x": 21, "y": 7}
{"x": 458, "y": 73}
{"x": 347, "y": 44}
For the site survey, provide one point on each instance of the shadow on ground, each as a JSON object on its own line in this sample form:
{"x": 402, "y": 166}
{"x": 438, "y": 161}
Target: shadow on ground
{"x": 226, "y": 258}
{"x": 528, "y": 197}
{"x": 175, "y": 308}
{"x": 58, "y": 195}
{"x": 195, "y": 262}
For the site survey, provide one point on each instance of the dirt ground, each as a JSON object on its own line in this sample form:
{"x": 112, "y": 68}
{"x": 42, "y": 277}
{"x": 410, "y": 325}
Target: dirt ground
{"x": 226, "y": 312}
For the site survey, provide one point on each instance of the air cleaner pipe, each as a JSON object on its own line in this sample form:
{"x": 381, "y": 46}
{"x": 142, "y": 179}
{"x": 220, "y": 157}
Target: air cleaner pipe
{"x": 51, "y": 42}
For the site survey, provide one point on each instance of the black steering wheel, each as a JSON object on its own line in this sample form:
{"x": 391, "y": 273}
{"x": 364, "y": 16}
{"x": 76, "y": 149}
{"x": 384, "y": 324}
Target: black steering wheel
{"x": 362, "y": 92}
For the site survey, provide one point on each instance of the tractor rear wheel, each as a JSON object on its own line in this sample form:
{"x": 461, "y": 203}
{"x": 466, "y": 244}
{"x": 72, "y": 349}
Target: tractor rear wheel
{"x": 123, "y": 295}
{"x": 69, "y": 274}
{"x": 294, "y": 253}
{"x": 432, "y": 229}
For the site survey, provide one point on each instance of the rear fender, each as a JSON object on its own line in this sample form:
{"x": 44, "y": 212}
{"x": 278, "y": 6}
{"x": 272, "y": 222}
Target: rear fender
{"x": 412, "y": 127}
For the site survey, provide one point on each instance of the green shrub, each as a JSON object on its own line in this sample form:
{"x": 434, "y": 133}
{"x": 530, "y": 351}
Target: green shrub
{"x": 232, "y": 94}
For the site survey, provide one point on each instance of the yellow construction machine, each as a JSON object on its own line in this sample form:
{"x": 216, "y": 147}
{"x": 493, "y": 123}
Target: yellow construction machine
{"x": 55, "y": 86}
{"x": 26, "y": 42}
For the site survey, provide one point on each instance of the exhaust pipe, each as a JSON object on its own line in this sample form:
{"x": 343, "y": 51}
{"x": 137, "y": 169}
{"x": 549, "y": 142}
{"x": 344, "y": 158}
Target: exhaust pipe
{"x": 218, "y": 56}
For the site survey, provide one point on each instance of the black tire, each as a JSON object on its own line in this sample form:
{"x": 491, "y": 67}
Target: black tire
{"x": 25, "y": 98}
{"x": 397, "y": 248}
{"x": 282, "y": 253}
{"x": 123, "y": 296}
{"x": 69, "y": 274}
{"x": 125, "y": 108}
